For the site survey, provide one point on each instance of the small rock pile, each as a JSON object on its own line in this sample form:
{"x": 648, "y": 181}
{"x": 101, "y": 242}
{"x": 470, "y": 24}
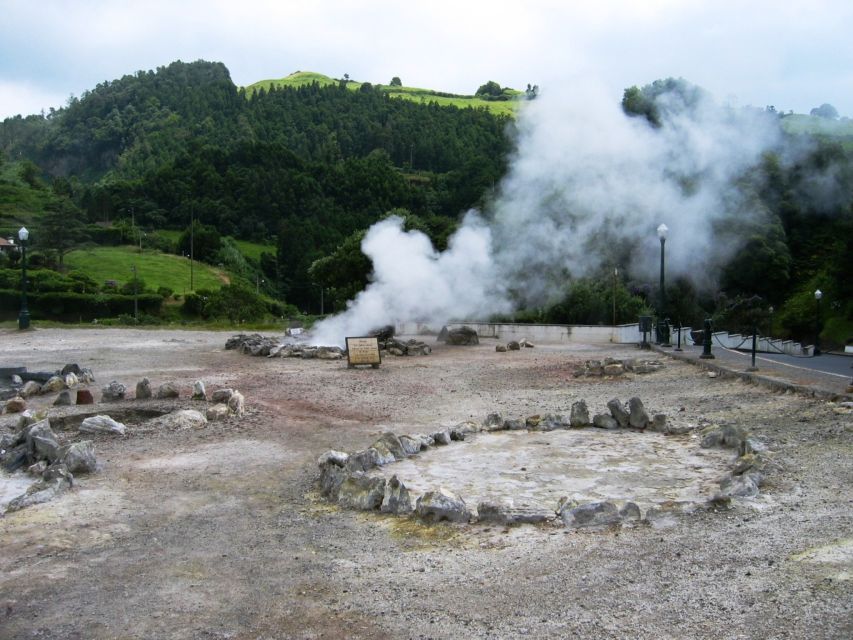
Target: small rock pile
{"x": 616, "y": 367}
{"x": 258, "y": 345}
{"x": 514, "y": 345}
{"x": 347, "y": 479}
{"x": 411, "y": 347}
{"x": 38, "y": 448}
{"x": 252, "y": 344}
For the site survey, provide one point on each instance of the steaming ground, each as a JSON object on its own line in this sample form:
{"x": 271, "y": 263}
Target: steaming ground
{"x": 586, "y": 183}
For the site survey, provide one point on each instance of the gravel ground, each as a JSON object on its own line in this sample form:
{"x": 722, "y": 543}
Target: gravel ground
{"x": 219, "y": 532}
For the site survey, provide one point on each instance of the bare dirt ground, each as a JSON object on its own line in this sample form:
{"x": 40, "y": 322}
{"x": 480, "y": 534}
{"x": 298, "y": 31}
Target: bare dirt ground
{"x": 219, "y": 532}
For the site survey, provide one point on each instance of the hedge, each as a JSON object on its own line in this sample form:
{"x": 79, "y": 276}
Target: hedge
{"x": 67, "y": 305}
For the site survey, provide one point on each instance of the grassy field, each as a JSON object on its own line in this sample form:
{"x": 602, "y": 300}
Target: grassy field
{"x": 299, "y": 78}
{"x": 248, "y": 249}
{"x": 155, "y": 269}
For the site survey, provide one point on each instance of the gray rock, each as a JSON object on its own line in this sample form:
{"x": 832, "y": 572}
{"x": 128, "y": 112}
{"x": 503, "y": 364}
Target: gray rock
{"x": 638, "y": 418}
{"x": 63, "y": 399}
{"x": 658, "y": 423}
{"x": 441, "y": 437}
{"x": 361, "y": 492}
{"x": 17, "y": 381}
{"x": 237, "y": 404}
{"x": 727, "y": 436}
{"x": 630, "y": 512}
{"x": 515, "y": 424}
{"x": 593, "y": 514}
{"x": 338, "y": 458}
{"x": 363, "y": 460}
{"x": 36, "y": 470}
{"x": 71, "y": 367}
{"x": 38, "y": 493}
{"x": 396, "y": 499}
{"x": 180, "y": 420}
{"x": 551, "y": 422}
{"x": 493, "y": 422}
{"x": 435, "y": 506}
{"x": 411, "y": 445}
{"x": 71, "y": 380}
{"x": 465, "y": 428}
{"x": 500, "y": 348}
{"x": 216, "y": 412}
{"x": 329, "y": 353}
{"x": 54, "y": 384}
{"x": 199, "y": 392}
{"x": 615, "y": 369}
{"x": 331, "y": 478}
{"x": 507, "y": 513}
{"x": 512, "y": 345}
{"x": 743, "y": 486}
{"x": 580, "y": 414}
{"x": 102, "y": 424}
{"x": 524, "y": 342}
{"x": 30, "y": 388}
{"x": 79, "y": 457}
{"x": 41, "y": 442}
{"x": 605, "y": 421}
{"x": 617, "y": 410}
{"x": 392, "y": 443}
{"x": 113, "y": 392}
{"x": 221, "y": 395}
{"x": 86, "y": 376}
{"x": 143, "y": 389}
{"x": 166, "y": 391}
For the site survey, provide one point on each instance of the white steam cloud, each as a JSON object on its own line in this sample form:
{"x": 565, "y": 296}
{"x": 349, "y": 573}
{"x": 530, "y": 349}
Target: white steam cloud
{"x": 584, "y": 179}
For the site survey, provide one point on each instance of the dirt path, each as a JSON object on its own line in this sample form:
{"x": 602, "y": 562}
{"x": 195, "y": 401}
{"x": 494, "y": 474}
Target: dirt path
{"x": 218, "y": 533}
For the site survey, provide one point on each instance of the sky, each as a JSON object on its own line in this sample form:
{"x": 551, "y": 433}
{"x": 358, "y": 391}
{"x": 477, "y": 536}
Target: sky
{"x": 793, "y": 54}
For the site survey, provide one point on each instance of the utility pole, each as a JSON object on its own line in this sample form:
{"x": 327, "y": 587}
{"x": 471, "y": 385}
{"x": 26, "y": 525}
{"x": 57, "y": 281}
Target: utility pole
{"x": 135, "y": 295}
{"x": 192, "y": 239}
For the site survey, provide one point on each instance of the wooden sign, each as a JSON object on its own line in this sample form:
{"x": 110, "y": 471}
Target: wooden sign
{"x": 363, "y": 351}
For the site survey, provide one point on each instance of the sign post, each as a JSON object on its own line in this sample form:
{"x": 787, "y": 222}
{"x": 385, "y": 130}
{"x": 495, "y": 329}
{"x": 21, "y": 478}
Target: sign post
{"x": 363, "y": 351}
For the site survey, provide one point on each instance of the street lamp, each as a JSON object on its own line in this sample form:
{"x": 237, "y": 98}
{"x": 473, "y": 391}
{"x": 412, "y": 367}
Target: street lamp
{"x": 24, "y": 315}
{"x": 818, "y": 294}
{"x": 663, "y": 330}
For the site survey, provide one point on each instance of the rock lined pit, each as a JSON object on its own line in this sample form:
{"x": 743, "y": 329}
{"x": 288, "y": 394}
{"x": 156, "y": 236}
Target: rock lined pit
{"x": 587, "y": 465}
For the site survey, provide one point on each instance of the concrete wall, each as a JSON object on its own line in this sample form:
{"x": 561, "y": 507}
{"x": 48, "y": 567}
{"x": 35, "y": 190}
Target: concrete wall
{"x": 594, "y": 334}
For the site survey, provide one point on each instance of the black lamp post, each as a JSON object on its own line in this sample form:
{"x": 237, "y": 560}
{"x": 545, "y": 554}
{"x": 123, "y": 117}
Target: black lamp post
{"x": 817, "y": 296}
{"x": 663, "y": 330}
{"x": 24, "y": 315}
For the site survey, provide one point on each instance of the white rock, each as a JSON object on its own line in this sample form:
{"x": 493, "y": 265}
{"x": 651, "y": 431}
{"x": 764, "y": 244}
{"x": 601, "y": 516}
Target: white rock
{"x": 102, "y": 424}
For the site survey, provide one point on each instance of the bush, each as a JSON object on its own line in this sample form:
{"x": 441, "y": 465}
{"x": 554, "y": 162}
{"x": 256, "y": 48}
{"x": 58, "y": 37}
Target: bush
{"x": 69, "y": 305}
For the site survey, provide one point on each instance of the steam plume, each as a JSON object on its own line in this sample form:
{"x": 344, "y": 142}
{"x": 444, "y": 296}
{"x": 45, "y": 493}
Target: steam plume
{"x": 584, "y": 178}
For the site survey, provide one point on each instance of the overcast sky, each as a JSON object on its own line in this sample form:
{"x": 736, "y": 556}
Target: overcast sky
{"x": 789, "y": 53}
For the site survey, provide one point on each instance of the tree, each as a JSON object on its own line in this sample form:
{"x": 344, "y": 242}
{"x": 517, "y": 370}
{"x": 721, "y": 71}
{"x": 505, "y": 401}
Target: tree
{"x": 491, "y": 88}
{"x": 61, "y": 228}
{"x": 396, "y": 82}
{"x": 825, "y": 111}
{"x": 206, "y": 242}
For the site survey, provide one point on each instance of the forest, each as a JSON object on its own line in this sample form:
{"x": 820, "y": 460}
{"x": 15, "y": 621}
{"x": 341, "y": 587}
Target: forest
{"x": 307, "y": 169}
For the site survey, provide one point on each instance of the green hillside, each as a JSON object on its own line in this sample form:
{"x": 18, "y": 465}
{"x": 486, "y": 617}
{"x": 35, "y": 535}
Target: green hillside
{"x": 154, "y": 268}
{"x": 425, "y": 96}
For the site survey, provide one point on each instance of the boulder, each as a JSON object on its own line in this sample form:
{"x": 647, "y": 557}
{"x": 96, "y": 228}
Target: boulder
{"x": 743, "y": 486}
{"x": 507, "y": 513}
{"x": 493, "y": 422}
{"x": 102, "y": 424}
{"x": 411, "y": 445}
{"x": 615, "y": 369}
{"x": 658, "y": 423}
{"x": 338, "y": 458}
{"x": 630, "y": 512}
{"x": 182, "y": 419}
{"x": 84, "y": 396}
{"x": 63, "y": 399}
{"x": 550, "y": 422}
{"x": 396, "y": 499}
{"x": 592, "y": 514}
{"x": 580, "y": 415}
{"x": 512, "y": 345}
{"x": 236, "y": 404}
{"x": 30, "y": 388}
{"x": 199, "y": 392}
{"x": 514, "y": 424}
{"x": 221, "y": 395}
{"x": 727, "y": 436}
{"x": 143, "y": 389}
{"x": 16, "y": 405}
{"x": 71, "y": 380}
{"x": 525, "y": 343}
{"x": 167, "y": 390}
{"x": 329, "y": 353}
{"x": 500, "y": 348}
{"x": 113, "y": 392}
{"x": 54, "y": 384}
{"x": 361, "y": 492}
{"x": 41, "y": 441}
{"x": 462, "y": 336}
{"x": 392, "y": 444}
{"x": 638, "y": 418}
{"x": 79, "y": 457}
{"x": 605, "y": 421}
{"x": 442, "y": 437}
{"x": 37, "y": 470}
{"x": 71, "y": 368}
{"x": 363, "y": 460}
{"x": 41, "y": 491}
{"x": 443, "y": 504}
{"x": 216, "y": 412}
{"x": 86, "y": 376}
{"x": 331, "y": 479}
{"x": 14, "y": 457}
